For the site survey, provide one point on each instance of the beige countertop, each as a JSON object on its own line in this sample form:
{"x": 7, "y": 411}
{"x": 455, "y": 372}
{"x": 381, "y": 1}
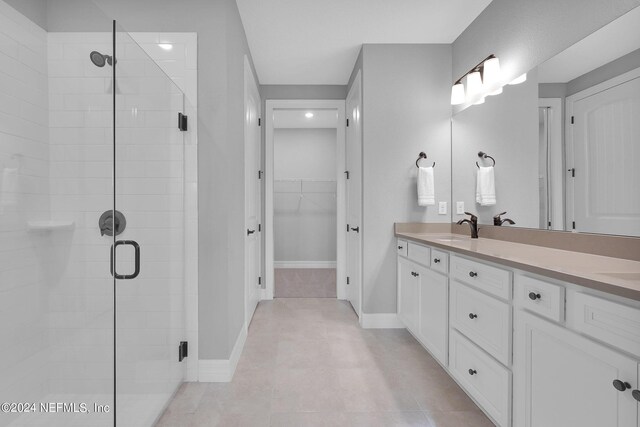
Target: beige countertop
{"x": 611, "y": 275}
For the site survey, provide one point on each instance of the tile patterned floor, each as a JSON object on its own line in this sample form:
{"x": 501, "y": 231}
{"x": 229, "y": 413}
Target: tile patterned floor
{"x": 306, "y": 362}
{"x": 305, "y": 283}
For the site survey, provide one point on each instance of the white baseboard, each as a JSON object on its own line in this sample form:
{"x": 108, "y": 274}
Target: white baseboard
{"x": 304, "y": 264}
{"x": 222, "y": 370}
{"x": 381, "y": 321}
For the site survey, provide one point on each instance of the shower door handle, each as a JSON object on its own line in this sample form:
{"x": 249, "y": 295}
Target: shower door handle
{"x": 136, "y": 248}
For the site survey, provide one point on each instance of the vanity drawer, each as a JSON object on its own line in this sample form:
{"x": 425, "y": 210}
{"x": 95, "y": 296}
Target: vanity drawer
{"x": 488, "y": 382}
{"x": 439, "y": 261}
{"x": 608, "y": 321}
{"x": 537, "y": 296}
{"x": 483, "y": 319}
{"x": 419, "y": 253}
{"x": 493, "y": 280}
{"x": 402, "y": 247}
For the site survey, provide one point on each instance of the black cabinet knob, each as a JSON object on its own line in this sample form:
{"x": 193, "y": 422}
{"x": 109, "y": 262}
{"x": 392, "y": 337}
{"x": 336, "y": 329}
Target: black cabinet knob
{"x": 636, "y": 395}
{"x": 472, "y": 372}
{"x": 620, "y": 385}
{"x": 250, "y": 232}
{"x": 399, "y": 247}
{"x": 533, "y": 296}
{"x": 473, "y": 316}
{"x": 472, "y": 274}
{"x": 436, "y": 260}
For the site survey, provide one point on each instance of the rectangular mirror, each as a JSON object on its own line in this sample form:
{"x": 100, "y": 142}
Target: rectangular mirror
{"x": 566, "y": 141}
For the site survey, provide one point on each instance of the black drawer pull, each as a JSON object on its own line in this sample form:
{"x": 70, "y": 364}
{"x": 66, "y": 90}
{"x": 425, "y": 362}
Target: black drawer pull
{"x": 436, "y": 260}
{"x": 473, "y": 316}
{"x": 533, "y": 296}
{"x": 250, "y": 232}
{"x": 473, "y": 274}
{"x": 621, "y": 386}
{"x": 472, "y": 372}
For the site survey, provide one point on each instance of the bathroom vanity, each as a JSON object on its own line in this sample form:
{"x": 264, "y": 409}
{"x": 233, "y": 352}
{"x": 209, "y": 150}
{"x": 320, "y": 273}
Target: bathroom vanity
{"x": 536, "y": 336}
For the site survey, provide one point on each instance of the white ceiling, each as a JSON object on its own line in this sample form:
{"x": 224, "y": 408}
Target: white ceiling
{"x": 610, "y": 42}
{"x": 317, "y": 41}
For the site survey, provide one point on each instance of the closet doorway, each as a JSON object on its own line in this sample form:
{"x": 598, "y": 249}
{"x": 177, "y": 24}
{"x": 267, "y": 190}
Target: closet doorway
{"x": 305, "y": 199}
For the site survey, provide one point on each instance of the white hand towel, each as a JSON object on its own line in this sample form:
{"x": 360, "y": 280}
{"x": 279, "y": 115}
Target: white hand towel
{"x": 486, "y": 187}
{"x": 426, "y": 191}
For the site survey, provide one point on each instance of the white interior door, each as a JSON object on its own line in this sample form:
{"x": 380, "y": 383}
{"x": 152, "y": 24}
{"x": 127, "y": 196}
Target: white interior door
{"x": 606, "y": 131}
{"x": 354, "y": 195}
{"x": 252, "y": 191}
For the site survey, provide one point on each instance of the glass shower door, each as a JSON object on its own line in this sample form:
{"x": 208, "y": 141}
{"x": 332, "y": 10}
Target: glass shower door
{"x": 149, "y": 265}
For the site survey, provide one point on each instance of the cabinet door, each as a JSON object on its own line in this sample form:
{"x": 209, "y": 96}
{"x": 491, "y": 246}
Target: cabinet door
{"x": 563, "y": 379}
{"x": 408, "y": 293}
{"x": 433, "y": 313}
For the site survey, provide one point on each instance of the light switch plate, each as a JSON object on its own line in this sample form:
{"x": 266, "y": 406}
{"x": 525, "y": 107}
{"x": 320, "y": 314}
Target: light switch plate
{"x": 442, "y": 208}
{"x": 460, "y": 208}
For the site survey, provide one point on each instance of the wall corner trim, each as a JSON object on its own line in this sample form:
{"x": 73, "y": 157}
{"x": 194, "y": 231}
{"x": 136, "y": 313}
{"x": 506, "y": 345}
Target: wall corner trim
{"x": 381, "y": 321}
{"x": 222, "y": 370}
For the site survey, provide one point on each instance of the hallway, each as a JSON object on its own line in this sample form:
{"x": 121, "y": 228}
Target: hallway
{"x": 307, "y": 362}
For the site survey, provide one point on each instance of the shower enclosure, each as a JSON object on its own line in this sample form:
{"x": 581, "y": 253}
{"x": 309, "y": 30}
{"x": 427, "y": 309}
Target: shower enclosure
{"x": 91, "y": 227}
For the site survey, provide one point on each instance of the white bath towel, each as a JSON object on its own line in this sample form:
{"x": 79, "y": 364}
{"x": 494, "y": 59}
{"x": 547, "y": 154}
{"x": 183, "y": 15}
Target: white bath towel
{"x": 426, "y": 189}
{"x": 486, "y": 186}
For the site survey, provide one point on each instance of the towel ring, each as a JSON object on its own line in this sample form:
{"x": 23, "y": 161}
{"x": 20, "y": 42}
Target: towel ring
{"x": 423, "y": 155}
{"x": 485, "y": 156}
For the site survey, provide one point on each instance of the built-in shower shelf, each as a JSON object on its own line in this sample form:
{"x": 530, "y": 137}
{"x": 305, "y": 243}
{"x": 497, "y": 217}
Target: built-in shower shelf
{"x": 50, "y": 225}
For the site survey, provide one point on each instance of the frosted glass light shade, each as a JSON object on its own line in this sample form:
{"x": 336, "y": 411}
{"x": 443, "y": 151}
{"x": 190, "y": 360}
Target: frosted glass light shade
{"x": 479, "y": 101}
{"x": 474, "y": 87}
{"x": 520, "y": 79}
{"x": 457, "y": 94}
{"x": 492, "y": 79}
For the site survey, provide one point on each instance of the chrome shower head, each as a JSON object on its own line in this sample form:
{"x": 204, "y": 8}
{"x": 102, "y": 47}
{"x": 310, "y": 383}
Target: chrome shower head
{"x": 99, "y": 60}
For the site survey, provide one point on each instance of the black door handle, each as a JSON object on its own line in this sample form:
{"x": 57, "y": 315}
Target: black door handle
{"x": 136, "y": 248}
{"x": 250, "y": 231}
{"x": 357, "y": 229}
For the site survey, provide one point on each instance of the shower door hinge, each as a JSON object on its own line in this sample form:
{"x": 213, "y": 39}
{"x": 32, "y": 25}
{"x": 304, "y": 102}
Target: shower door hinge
{"x": 182, "y": 122}
{"x": 572, "y": 119}
{"x": 259, "y": 228}
{"x": 573, "y": 225}
{"x": 183, "y": 350}
{"x": 259, "y": 121}
{"x": 573, "y": 172}
{"x": 347, "y": 173}
{"x": 259, "y": 280}
{"x": 348, "y": 280}
{"x": 347, "y": 228}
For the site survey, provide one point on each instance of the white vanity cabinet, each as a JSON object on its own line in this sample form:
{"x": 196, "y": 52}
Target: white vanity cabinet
{"x": 563, "y": 379}
{"x": 423, "y": 299}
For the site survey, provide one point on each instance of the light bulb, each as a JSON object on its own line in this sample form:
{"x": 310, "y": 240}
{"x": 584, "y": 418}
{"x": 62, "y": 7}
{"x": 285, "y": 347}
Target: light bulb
{"x": 491, "y": 77}
{"x": 457, "y": 94}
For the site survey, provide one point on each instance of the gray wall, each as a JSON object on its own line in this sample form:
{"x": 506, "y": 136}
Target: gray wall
{"x": 506, "y": 128}
{"x": 221, "y": 48}
{"x": 524, "y": 33}
{"x": 406, "y": 90}
{"x": 303, "y": 92}
{"x": 626, "y": 63}
{"x": 35, "y": 10}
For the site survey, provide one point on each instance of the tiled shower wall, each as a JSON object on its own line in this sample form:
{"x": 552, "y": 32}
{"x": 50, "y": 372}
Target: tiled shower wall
{"x": 24, "y": 199}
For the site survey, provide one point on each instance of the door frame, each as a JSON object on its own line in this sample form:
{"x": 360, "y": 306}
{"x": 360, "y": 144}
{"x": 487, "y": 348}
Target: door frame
{"x": 250, "y": 84}
{"x": 339, "y": 106}
{"x": 357, "y": 84}
{"x": 557, "y": 181}
{"x": 569, "y": 143}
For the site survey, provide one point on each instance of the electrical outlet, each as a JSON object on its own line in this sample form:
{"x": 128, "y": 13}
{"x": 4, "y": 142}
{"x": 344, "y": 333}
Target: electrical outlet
{"x": 442, "y": 208}
{"x": 460, "y": 208}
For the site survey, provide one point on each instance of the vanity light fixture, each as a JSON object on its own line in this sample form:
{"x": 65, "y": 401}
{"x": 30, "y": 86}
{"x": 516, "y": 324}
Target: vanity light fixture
{"x": 482, "y": 80}
{"x": 520, "y": 79}
{"x": 308, "y": 115}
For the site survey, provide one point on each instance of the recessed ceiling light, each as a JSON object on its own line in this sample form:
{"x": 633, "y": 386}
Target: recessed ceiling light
{"x": 308, "y": 115}
{"x": 165, "y": 46}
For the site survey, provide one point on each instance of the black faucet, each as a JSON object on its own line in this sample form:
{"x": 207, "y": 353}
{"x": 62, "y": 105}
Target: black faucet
{"x": 499, "y": 221}
{"x": 473, "y": 224}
